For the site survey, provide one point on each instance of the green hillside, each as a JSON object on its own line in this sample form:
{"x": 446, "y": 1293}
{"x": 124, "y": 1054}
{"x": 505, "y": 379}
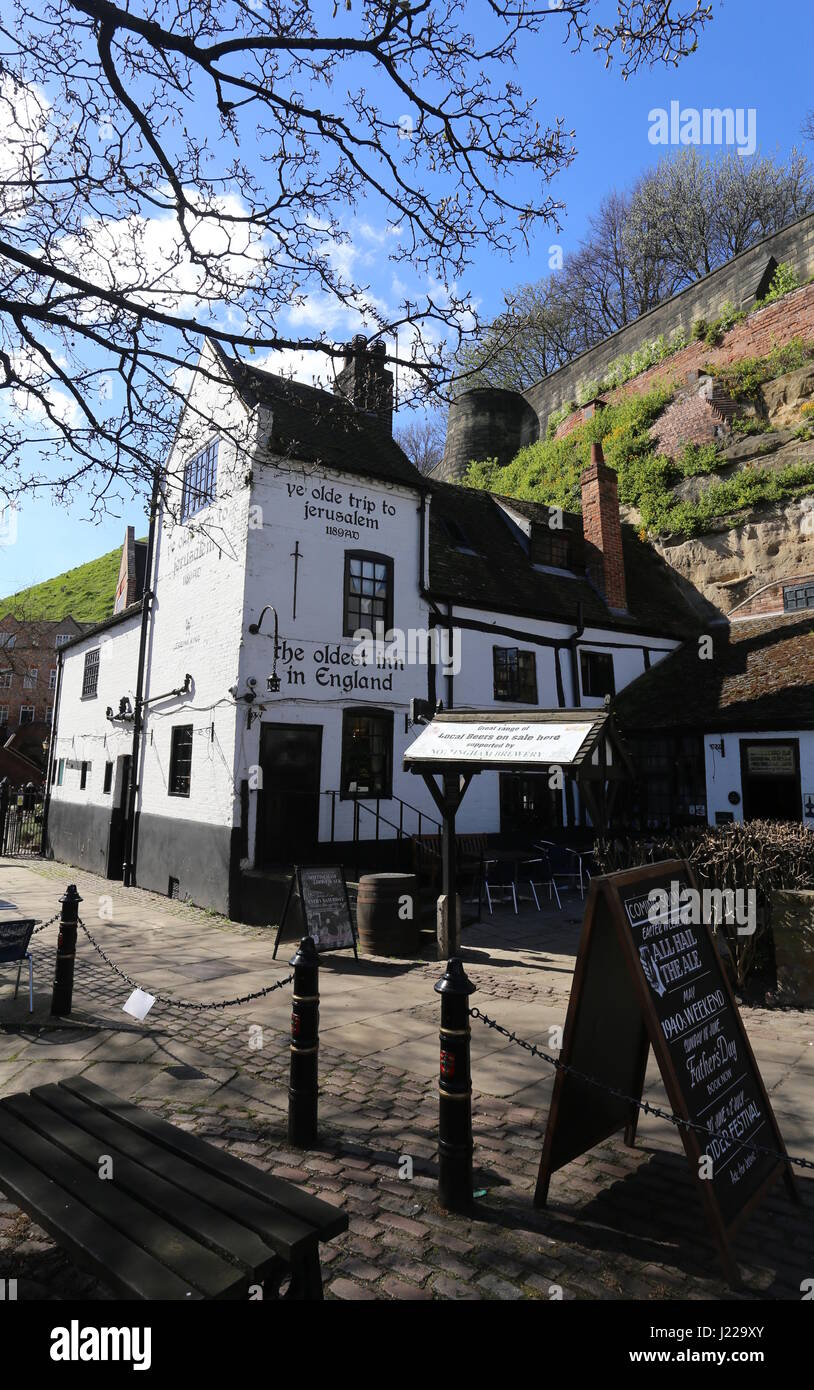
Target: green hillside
{"x": 87, "y": 593}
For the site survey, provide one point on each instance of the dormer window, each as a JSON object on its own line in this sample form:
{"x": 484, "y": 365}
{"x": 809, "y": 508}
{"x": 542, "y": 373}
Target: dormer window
{"x": 550, "y": 548}
{"x": 456, "y": 533}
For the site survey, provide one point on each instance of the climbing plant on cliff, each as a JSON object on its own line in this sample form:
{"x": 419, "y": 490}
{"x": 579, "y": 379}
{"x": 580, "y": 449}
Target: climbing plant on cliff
{"x": 549, "y": 471}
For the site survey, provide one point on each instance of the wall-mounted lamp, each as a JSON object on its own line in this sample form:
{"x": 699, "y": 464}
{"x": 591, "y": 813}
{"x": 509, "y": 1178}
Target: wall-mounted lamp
{"x": 273, "y": 681}
{"x": 125, "y": 714}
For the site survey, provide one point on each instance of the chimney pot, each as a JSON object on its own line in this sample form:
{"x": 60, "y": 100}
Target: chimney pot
{"x": 364, "y": 379}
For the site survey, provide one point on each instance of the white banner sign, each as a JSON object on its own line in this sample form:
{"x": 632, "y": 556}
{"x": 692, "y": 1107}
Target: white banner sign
{"x": 536, "y": 743}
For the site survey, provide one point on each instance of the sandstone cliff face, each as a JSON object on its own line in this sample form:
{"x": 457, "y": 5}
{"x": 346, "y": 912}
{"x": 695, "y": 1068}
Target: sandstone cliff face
{"x": 727, "y": 566}
{"x": 744, "y": 552}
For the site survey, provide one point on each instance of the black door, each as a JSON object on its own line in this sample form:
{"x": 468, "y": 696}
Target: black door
{"x": 288, "y": 813}
{"x": 770, "y": 777}
{"x": 529, "y": 807}
{"x": 117, "y": 834}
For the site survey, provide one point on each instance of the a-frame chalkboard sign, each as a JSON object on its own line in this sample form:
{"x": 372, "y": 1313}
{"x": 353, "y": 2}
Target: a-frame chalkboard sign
{"x": 647, "y": 975}
{"x": 318, "y": 895}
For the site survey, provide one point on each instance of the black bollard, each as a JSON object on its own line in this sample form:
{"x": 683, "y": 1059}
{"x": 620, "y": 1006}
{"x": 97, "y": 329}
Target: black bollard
{"x": 66, "y": 952}
{"x": 303, "y": 1088}
{"x": 455, "y": 1143}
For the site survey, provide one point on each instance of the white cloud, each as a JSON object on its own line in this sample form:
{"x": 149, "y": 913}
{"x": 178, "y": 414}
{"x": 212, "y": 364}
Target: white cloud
{"x": 24, "y": 122}
{"x": 146, "y": 257}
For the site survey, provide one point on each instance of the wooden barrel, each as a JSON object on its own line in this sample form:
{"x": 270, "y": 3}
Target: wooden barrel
{"x": 381, "y": 920}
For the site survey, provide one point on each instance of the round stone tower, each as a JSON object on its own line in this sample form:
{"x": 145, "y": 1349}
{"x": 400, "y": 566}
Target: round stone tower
{"x": 485, "y": 423}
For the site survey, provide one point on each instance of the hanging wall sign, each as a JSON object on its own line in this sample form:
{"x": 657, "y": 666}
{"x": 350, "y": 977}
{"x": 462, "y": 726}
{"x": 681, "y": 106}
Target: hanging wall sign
{"x": 532, "y": 744}
{"x": 648, "y": 973}
{"x": 320, "y": 894}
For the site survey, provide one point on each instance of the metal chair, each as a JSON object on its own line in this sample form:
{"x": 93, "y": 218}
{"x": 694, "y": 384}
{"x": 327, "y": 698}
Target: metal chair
{"x": 545, "y": 876}
{"x": 566, "y": 865}
{"x": 14, "y": 939}
{"x": 498, "y": 873}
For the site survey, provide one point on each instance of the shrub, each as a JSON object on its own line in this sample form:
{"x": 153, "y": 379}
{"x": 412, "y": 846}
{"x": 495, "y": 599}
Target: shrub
{"x": 784, "y": 281}
{"x": 744, "y": 378}
{"x": 697, "y": 458}
{"x": 745, "y": 425}
{"x": 556, "y": 417}
{"x": 761, "y": 855}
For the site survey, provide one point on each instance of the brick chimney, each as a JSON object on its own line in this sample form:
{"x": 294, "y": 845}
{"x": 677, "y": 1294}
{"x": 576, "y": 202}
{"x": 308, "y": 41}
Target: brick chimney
{"x": 365, "y": 381}
{"x": 130, "y": 586}
{"x": 604, "y": 561}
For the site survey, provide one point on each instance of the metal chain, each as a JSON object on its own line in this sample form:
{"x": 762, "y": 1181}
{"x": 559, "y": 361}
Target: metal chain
{"x": 182, "y": 1003}
{"x": 50, "y": 921}
{"x": 630, "y": 1100}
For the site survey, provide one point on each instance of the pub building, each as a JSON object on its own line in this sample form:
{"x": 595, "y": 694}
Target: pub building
{"x": 218, "y": 730}
{"x": 730, "y": 736}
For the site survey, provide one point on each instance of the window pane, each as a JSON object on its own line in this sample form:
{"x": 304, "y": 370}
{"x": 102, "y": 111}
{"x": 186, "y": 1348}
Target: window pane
{"x": 368, "y": 593}
{"x": 515, "y": 675}
{"x": 90, "y": 676}
{"x": 367, "y": 742}
{"x": 199, "y": 485}
{"x": 180, "y": 760}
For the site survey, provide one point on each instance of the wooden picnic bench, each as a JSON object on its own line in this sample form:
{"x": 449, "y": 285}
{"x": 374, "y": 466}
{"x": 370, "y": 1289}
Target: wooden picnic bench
{"x": 176, "y": 1219}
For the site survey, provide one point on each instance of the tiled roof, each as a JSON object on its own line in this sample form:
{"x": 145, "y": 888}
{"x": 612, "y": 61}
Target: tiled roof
{"x": 319, "y": 427}
{"x": 761, "y": 675}
{"x": 500, "y": 575}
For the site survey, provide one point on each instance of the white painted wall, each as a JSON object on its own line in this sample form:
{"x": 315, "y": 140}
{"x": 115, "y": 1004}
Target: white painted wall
{"x": 84, "y": 734}
{"x": 199, "y": 577}
{"x": 723, "y": 774}
{"x": 294, "y": 503}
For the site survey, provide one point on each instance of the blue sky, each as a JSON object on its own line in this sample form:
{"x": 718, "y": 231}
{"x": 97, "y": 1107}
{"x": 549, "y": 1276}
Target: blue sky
{"x": 745, "y": 59}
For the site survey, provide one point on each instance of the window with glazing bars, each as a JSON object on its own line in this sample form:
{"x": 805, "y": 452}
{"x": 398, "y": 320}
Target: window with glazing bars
{"x": 180, "y": 760}
{"x": 515, "y": 673}
{"x": 367, "y": 753}
{"x": 550, "y": 550}
{"x": 797, "y": 596}
{"x": 200, "y": 481}
{"x": 90, "y": 675}
{"x": 368, "y": 592}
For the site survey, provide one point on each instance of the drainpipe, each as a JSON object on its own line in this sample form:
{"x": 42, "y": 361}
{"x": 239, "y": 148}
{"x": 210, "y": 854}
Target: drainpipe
{"x": 572, "y": 647}
{"x": 423, "y": 571}
{"x": 129, "y": 867}
{"x": 52, "y": 751}
{"x": 450, "y": 679}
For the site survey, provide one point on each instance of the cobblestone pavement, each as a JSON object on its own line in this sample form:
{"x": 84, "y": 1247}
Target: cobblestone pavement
{"x": 620, "y": 1223}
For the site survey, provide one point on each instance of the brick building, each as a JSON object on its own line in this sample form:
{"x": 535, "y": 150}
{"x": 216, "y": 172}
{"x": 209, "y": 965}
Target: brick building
{"x": 29, "y": 652}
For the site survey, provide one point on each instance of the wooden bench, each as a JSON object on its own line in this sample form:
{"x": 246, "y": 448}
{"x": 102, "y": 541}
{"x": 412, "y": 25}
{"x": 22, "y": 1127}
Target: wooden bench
{"x": 177, "y": 1218}
{"x": 470, "y": 851}
{"x": 427, "y": 848}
